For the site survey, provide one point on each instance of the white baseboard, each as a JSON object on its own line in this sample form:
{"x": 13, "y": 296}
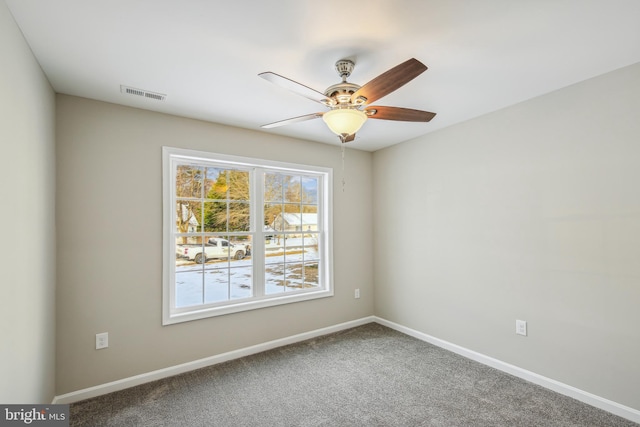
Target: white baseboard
{"x": 567, "y": 390}
{"x": 124, "y": 383}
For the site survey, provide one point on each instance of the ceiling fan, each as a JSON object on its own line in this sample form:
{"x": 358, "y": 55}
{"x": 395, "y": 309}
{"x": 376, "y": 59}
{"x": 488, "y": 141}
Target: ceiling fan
{"x": 349, "y": 103}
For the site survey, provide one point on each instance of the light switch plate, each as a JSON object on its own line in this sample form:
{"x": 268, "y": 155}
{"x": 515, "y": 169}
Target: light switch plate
{"x": 521, "y": 327}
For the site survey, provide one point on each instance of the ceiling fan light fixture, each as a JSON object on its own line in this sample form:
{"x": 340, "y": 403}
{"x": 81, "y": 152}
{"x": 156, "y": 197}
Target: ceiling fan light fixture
{"x": 343, "y": 121}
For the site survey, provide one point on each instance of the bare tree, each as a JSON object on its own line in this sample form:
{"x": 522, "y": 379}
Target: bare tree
{"x": 188, "y": 196}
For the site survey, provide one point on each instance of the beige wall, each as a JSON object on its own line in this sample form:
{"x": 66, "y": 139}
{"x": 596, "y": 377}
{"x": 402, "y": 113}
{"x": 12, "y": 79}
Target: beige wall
{"x": 27, "y": 197}
{"x": 109, "y": 222}
{"x": 532, "y": 213}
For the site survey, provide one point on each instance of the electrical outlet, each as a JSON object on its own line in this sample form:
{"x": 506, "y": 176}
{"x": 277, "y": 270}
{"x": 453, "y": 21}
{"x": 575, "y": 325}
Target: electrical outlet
{"x": 102, "y": 340}
{"x": 357, "y": 294}
{"x": 521, "y": 327}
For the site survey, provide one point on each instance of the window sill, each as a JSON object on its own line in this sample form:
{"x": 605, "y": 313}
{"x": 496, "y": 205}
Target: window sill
{"x": 254, "y": 304}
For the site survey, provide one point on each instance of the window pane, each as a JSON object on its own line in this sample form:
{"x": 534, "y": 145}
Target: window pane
{"x": 241, "y": 282}
{"x": 285, "y": 266}
{"x": 216, "y": 185}
{"x": 238, "y": 182}
{"x": 309, "y": 190}
{"x": 293, "y": 249}
{"x": 216, "y": 285}
{"x": 239, "y": 216}
{"x": 310, "y": 242}
{"x": 188, "y": 181}
{"x": 311, "y": 277}
{"x": 271, "y": 212}
{"x": 292, "y": 189}
{"x": 278, "y": 221}
{"x": 188, "y": 216}
{"x": 292, "y": 220}
{"x": 294, "y": 276}
{"x": 186, "y": 250}
{"x": 274, "y": 278}
{"x": 309, "y": 222}
{"x": 188, "y": 286}
{"x": 274, "y": 249}
{"x": 273, "y": 187}
{"x": 215, "y": 216}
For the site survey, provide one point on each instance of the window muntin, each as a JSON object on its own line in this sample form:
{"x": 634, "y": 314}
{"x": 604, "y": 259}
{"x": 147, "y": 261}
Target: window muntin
{"x": 242, "y": 233}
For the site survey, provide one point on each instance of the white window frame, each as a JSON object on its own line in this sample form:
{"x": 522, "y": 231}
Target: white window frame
{"x": 170, "y": 157}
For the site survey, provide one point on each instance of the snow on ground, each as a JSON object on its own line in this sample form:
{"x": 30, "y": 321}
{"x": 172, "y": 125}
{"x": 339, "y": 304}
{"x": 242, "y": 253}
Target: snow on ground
{"x": 218, "y": 281}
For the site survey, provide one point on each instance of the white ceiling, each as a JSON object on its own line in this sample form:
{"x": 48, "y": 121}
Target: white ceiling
{"x": 205, "y": 55}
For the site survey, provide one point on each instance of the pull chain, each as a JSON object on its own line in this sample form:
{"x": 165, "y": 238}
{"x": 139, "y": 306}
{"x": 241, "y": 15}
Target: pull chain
{"x": 343, "y": 181}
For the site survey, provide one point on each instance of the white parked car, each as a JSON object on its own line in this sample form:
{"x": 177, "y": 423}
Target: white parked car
{"x": 214, "y": 248}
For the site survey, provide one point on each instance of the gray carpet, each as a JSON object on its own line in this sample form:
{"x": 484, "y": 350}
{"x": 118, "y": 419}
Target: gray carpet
{"x": 366, "y": 376}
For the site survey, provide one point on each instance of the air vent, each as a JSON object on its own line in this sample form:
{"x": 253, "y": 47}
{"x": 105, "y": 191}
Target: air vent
{"x": 141, "y": 92}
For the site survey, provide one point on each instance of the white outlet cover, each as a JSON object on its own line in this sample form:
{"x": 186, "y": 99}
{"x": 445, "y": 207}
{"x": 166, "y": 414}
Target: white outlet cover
{"x": 521, "y": 327}
{"x": 102, "y": 340}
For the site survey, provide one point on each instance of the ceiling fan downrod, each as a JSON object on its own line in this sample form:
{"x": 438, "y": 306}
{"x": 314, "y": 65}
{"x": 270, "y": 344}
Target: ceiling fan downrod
{"x": 344, "y": 67}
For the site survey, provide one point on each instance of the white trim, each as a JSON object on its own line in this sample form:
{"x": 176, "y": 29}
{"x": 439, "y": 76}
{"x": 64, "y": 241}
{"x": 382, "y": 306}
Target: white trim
{"x": 170, "y": 158}
{"x": 125, "y": 383}
{"x": 195, "y": 155}
{"x": 253, "y": 304}
{"x": 567, "y": 390}
{"x": 551, "y": 384}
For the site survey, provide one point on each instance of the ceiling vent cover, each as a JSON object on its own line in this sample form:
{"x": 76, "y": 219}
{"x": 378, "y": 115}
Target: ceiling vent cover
{"x": 143, "y": 93}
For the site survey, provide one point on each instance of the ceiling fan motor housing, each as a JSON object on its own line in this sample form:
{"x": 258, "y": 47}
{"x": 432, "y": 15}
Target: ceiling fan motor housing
{"x": 342, "y": 92}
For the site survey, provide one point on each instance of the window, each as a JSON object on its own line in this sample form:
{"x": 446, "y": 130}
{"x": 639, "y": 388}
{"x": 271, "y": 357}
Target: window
{"x": 242, "y": 233}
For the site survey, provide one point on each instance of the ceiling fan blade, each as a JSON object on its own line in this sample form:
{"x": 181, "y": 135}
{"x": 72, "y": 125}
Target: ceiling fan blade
{"x": 292, "y": 120}
{"x": 397, "y": 113}
{"x": 389, "y": 81}
{"x": 296, "y": 87}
